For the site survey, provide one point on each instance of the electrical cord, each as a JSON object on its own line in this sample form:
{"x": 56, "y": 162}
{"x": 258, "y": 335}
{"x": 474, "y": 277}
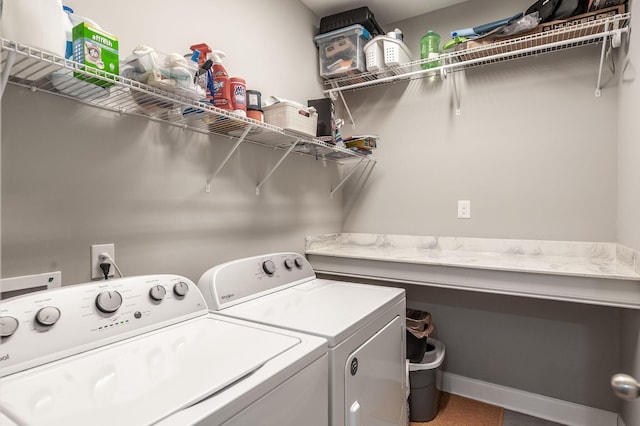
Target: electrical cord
{"x": 107, "y": 259}
{"x": 106, "y": 267}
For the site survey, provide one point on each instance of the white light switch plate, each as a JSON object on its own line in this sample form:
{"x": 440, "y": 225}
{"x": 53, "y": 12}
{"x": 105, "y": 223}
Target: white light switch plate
{"x": 464, "y": 209}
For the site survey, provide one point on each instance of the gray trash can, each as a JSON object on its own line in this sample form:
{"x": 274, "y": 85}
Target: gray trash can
{"x": 424, "y": 394}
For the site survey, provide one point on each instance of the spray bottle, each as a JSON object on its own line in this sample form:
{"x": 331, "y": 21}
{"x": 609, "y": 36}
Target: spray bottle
{"x": 221, "y": 85}
{"x": 204, "y": 75}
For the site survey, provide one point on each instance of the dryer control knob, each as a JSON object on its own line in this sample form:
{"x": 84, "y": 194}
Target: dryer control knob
{"x": 157, "y": 292}
{"x": 299, "y": 262}
{"x": 109, "y": 301}
{"x": 288, "y": 263}
{"x": 48, "y": 316}
{"x": 181, "y": 289}
{"x": 8, "y": 326}
{"x": 269, "y": 267}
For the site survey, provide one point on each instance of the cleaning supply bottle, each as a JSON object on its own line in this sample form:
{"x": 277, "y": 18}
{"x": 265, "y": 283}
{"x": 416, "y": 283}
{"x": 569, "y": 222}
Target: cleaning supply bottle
{"x": 238, "y": 96}
{"x": 221, "y": 85}
{"x": 71, "y": 21}
{"x": 203, "y": 75}
{"x": 430, "y": 49}
{"x": 203, "y": 50}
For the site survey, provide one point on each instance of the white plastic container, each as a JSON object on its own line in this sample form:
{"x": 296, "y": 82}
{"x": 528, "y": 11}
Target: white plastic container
{"x": 36, "y": 23}
{"x": 395, "y": 52}
{"x": 40, "y": 24}
{"x": 293, "y": 117}
{"x": 169, "y": 72}
{"x": 384, "y": 51}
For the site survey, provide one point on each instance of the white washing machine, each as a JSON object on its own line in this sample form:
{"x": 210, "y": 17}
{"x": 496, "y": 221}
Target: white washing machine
{"x": 364, "y": 325}
{"x": 146, "y": 351}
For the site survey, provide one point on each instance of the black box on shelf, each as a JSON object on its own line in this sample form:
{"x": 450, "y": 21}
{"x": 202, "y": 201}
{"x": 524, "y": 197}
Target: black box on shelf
{"x": 326, "y": 129}
{"x": 361, "y": 15}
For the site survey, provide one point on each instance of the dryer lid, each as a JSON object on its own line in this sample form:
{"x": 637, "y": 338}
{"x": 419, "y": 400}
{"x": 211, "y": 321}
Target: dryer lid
{"x": 143, "y": 379}
{"x": 330, "y": 309}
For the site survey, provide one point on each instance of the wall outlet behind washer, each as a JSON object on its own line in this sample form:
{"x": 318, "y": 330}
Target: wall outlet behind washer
{"x": 96, "y": 250}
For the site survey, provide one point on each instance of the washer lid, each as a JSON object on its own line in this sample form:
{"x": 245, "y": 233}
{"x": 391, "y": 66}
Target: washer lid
{"x": 330, "y": 309}
{"x": 141, "y": 380}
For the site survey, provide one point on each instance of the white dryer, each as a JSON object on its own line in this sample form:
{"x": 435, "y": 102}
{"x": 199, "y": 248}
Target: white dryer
{"x": 364, "y": 325}
{"x": 146, "y": 351}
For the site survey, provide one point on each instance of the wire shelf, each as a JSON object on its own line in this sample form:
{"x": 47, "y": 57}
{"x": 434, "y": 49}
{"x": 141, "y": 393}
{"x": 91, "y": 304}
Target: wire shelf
{"x": 495, "y": 50}
{"x": 38, "y": 70}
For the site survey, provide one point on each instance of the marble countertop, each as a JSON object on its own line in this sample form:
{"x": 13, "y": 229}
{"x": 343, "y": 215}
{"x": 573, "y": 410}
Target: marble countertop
{"x": 569, "y": 258}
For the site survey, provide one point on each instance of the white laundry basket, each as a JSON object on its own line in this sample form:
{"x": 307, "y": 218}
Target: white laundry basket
{"x": 384, "y": 51}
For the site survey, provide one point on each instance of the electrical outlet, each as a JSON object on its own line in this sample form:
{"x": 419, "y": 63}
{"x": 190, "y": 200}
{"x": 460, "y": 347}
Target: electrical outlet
{"x": 96, "y": 250}
{"x": 464, "y": 209}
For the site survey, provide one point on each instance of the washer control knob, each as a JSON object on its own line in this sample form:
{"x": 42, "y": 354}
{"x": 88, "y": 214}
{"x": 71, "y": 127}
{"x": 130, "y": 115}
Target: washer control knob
{"x": 181, "y": 289}
{"x": 269, "y": 267}
{"x": 299, "y": 262}
{"x": 157, "y": 292}
{"x": 288, "y": 263}
{"x": 109, "y": 301}
{"x": 48, "y": 316}
{"x": 8, "y": 326}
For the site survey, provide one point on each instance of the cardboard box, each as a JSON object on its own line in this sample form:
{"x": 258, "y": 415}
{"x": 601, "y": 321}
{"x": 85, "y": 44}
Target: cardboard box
{"x": 494, "y": 45}
{"x": 95, "y": 49}
{"x": 363, "y": 142}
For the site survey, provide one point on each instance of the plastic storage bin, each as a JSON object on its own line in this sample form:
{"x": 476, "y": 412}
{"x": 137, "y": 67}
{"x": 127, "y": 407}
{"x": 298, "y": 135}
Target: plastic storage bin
{"x": 293, "y": 117}
{"x": 341, "y": 51}
{"x": 361, "y": 15}
{"x": 384, "y": 51}
{"x": 424, "y": 394}
{"x": 169, "y": 72}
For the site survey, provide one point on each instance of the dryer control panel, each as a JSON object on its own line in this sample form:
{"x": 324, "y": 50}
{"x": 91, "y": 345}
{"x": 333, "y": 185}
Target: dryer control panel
{"x": 240, "y": 280}
{"x": 45, "y": 326}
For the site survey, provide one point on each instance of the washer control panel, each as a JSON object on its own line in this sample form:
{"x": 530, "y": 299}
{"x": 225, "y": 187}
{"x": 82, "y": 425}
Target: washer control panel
{"x": 233, "y": 282}
{"x": 42, "y": 327}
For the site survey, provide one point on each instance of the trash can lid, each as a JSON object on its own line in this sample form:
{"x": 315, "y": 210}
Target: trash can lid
{"x": 432, "y": 359}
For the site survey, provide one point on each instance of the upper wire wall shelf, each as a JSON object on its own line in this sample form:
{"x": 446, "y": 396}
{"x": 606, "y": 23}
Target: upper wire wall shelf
{"x": 38, "y": 70}
{"x": 595, "y": 31}
{"x": 42, "y": 71}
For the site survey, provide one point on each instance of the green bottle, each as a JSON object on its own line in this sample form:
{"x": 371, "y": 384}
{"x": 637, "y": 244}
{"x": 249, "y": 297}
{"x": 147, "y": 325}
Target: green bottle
{"x": 430, "y": 49}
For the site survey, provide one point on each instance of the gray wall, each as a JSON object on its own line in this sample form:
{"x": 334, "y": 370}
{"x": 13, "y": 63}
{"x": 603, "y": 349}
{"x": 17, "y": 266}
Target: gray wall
{"x": 629, "y": 200}
{"x": 533, "y": 149}
{"x": 537, "y": 154}
{"x": 73, "y": 176}
{"x": 562, "y": 350}
{"x": 628, "y": 147}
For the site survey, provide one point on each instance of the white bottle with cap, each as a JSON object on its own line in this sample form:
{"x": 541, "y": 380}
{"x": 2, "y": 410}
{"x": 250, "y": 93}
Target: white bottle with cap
{"x": 71, "y": 21}
{"x": 36, "y": 23}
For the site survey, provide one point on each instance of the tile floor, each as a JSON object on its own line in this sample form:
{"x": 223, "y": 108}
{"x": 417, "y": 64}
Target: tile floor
{"x": 511, "y": 418}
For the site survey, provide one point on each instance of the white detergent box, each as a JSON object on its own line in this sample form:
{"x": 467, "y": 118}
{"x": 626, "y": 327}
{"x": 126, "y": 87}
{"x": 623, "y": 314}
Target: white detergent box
{"x": 96, "y": 49}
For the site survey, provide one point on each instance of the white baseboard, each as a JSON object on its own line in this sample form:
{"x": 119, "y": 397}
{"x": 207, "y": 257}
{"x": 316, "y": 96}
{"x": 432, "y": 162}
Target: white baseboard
{"x": 544, "y": 407}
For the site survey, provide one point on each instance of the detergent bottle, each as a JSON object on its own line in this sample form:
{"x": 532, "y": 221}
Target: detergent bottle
{"x": 71, "y": 21}
{"x": 221, "y": 84}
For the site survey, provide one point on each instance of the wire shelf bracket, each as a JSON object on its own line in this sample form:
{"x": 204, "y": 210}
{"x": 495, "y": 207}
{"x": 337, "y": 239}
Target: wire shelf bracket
{"x": 333, "y": 191}
{"x": 226, "y": 159}
{"x": 273, "y": 169}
